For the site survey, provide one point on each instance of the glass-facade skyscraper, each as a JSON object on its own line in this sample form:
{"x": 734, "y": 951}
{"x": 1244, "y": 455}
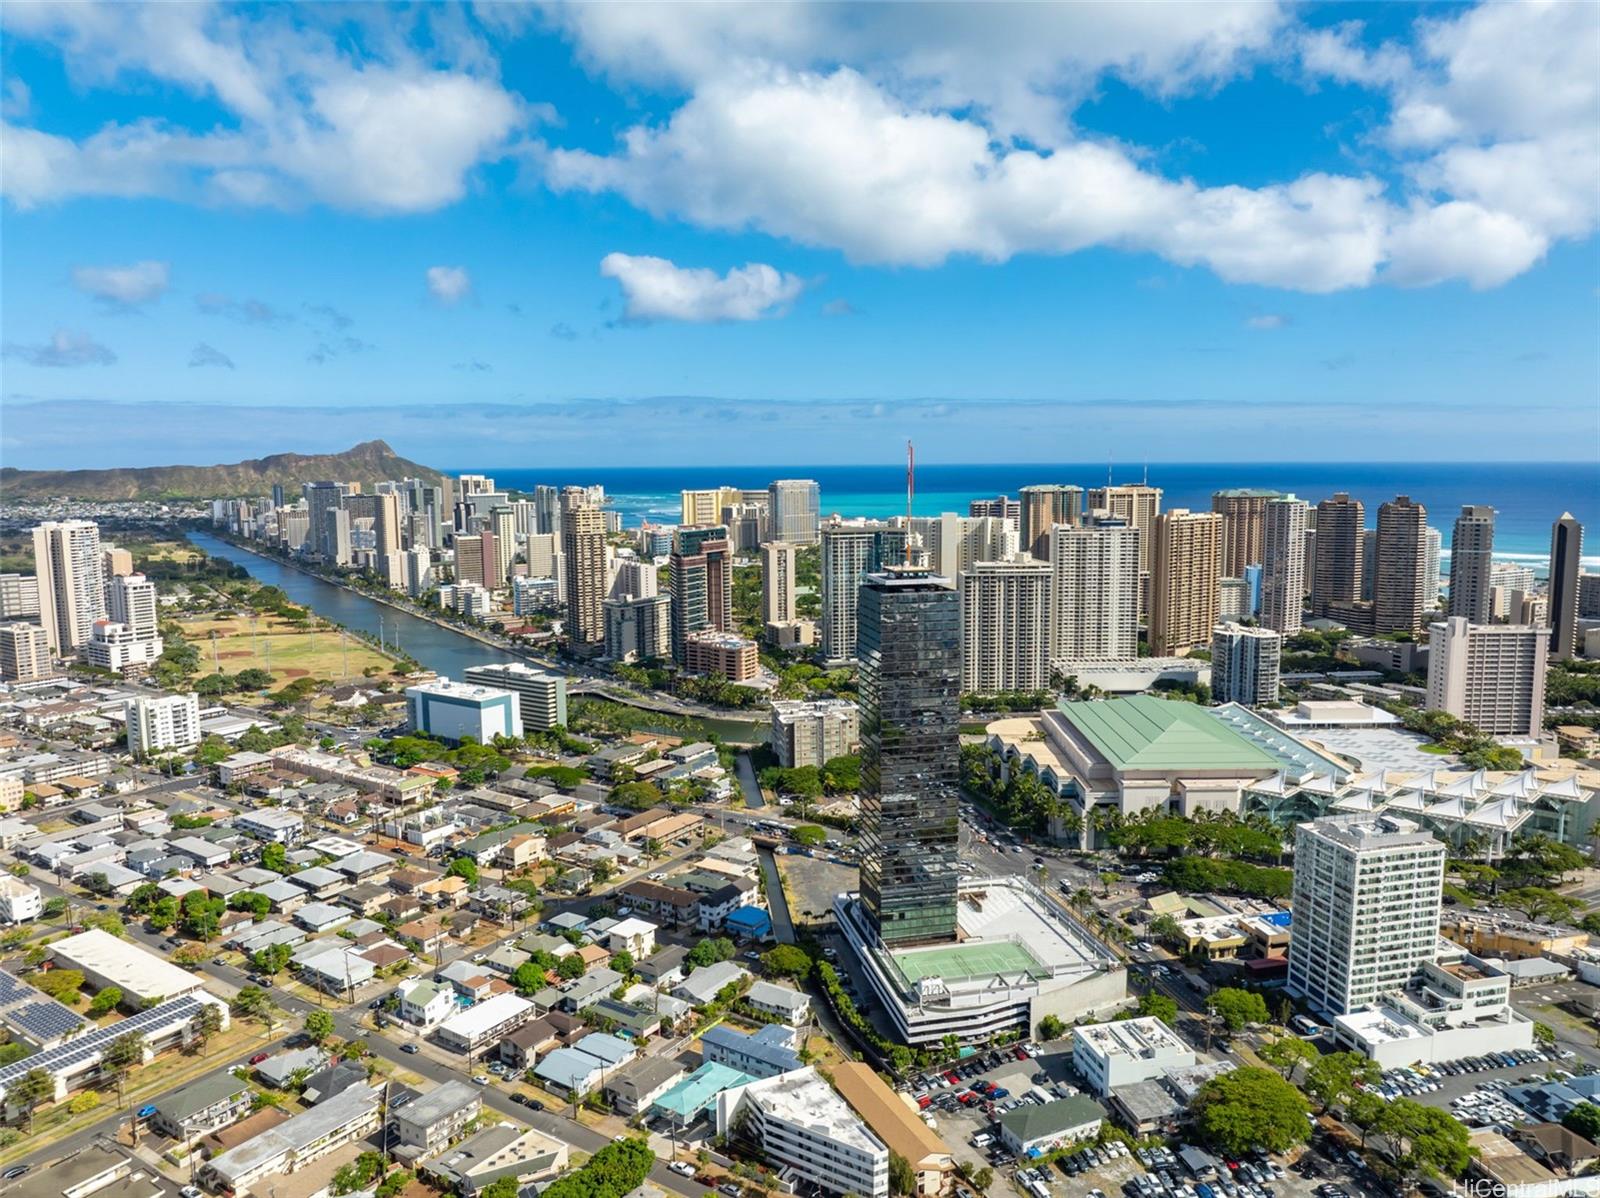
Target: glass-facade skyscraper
{"x": 909, "y": 647}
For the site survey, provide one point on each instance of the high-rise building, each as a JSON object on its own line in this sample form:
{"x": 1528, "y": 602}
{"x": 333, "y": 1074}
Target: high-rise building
{"x": 1283, "y": 579}
{"x": 1244, "y": 664}
{"x": 1369, "y": 563}
{"x": 583, "y": 552}
{"x": 814, "y": 732}
{"x": 114, "y": 561}
{"x": 66, "y": 556}
{"x": 1337, "y": 578}
{"x": 1138, "y": 505}
{"x": 19, "y": 596}
{"x": 162, "y": 724}
{"x": 1588, "y": 597}
{"x": 474, "y": 484}
{"x": 547, "y": 506}
{"x": 779, "y": 560}
{"x": 1471, "y": 561}
{"x": 1490, "y": 675}
{"x": 953, "y": 542}
{"x": 1507, "y": 585}
{"x": 1094, "y": 592}
{"x": 24, "y": 653}
{"x": 639, "y": 628}
{"x": 1184, "y": 568}
{"x": 389, "y": 526}
{"x": 1233, "y": 600}
{"x": 705, "y": 506}
{"x": 131, "y": 599}
{"x": 1432, "y": 553}
{"x": 1566, "y": 563}
{"x": 1366, "y": 909}
{"x": 1397, "y": 597}
{"x": 635, "y": 578}
{"x": 849, "y": 553}
{"x": 1001, "y": 507}
{"x": 474, "y": 560}
{"x": 796, "y": 510}
{"x": 702, "y": 584}
{"x": 541, "y": 695}
{"x": 910, "y": 684}
{"x": 747, "y": 525}
{"x": 1042, "y": 507}
{"x": 322, "y": 498}
{"x": 541, "y": 549}
{"x": 1244, "y": 527}
{"x": 503, "y": 525}
{"x": 1005, "y": 626}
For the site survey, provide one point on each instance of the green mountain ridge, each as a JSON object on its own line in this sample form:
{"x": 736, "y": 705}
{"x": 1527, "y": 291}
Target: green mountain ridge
{"x": 367, "y": 463}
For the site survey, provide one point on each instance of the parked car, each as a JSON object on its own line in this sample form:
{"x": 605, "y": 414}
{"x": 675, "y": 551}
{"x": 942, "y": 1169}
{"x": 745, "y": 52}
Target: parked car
{"x": 682, "y": 1168}
{"x": 259, "y": 1057}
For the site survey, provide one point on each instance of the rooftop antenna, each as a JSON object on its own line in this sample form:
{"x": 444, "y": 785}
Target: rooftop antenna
{"x": 911, "y": 490}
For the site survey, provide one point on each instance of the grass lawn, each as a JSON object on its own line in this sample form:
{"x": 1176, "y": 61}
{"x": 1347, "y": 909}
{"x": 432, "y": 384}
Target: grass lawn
{"x": 288, "y": 654}
{"x": 166, "y": 551}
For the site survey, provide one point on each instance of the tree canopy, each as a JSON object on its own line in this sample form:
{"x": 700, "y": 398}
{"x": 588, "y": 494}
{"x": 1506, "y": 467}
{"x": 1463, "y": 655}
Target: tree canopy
{"x": 1250, "y": 1108}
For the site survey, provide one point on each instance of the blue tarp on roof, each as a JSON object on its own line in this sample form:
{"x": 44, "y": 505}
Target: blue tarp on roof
{"x": 749, "y": 921}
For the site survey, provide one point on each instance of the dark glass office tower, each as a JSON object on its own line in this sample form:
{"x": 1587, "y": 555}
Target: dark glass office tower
{"x": 909, "y": 647}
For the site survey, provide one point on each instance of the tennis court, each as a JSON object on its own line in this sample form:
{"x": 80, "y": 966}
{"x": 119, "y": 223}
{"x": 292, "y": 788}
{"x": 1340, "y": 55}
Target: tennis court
{"x": 972, "y": 960}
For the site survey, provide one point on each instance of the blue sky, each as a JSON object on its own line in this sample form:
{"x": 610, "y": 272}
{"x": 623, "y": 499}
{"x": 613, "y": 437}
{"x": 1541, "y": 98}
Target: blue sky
{"x": 630, "y": 233}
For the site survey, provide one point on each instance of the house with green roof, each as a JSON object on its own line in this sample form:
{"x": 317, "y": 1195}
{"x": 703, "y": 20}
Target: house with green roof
{"x": 1135, "y": 754}
{"x": 1031, "y": 1130}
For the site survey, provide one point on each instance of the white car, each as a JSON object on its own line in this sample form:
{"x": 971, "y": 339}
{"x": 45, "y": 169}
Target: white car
{"x": 682, "y": 1168}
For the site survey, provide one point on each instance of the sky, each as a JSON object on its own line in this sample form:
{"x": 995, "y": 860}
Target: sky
{"x": 675, "y": 233}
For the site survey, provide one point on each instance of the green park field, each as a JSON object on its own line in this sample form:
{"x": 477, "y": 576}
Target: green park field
{"x": 277, "y": 646}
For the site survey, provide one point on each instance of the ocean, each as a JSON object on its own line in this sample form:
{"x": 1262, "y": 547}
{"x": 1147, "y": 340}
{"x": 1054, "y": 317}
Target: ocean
{"x": 1528, "y": 496}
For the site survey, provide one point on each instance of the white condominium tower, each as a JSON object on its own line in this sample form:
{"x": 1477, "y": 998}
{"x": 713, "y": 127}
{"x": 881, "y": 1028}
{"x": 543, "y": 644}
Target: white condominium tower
{"x": 66, "y": 556}
{"x": 955, "y": 542}
{"x": 1366, "y": 909}
{"x": 1094, "y": 592}
{"x": 1245, "y": 664}
{"x": 132, "y": 601}
{"x": 1005, "y": 626}
{"x": 1283, "y": 564}
{"x": 848, "y": 553}
{"x": 1491, "y": 675}
{"x": 158, "y": 725}
{"x": 778, "y": 565}
{"x": 796, "y": 506}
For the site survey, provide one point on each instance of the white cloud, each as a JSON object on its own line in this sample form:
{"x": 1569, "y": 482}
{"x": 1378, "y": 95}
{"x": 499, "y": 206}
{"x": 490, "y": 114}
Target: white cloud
{"x": 124, "y": 286}
{"x": 910, "y": 154}
{"x": 449, "y": 284}
{"x": 207, "y": 355}
{"x": 1023, "y": 65}
{"x": 1268, "y": 322}
{"x": 833, "y": 160}
{"x": 64, "y": 349}
{"x": 656, "y": 289}
{"x": 308, "y": 121}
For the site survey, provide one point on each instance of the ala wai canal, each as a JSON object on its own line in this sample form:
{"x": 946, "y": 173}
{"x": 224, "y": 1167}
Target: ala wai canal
{"x": 443, "y": 650}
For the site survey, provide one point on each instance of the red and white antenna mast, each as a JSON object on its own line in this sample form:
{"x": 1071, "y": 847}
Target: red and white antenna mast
{"x": 911, "y": 490}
